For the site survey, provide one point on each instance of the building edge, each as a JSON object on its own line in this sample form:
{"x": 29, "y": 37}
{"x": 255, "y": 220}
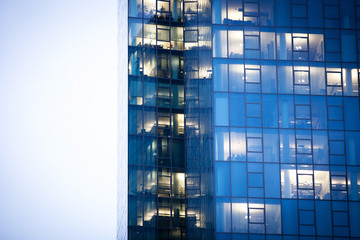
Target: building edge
{"x": 122, "y": 203}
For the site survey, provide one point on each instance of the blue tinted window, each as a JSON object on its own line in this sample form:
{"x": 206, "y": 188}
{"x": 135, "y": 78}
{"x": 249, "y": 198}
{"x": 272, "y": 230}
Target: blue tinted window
{"x": 220, "y": 75}
{"x": 315, "y": 11}
{"x": 285, "y": 77}
{"x": 286, "y": 111}
{"x": 352, "y": 148}
{"x": 271, "y": 145}
{"x": 352, "y": 115}
{"x": 283, "y": 13}
{"x": 320, "y": 147}
{"x": 222, "y": 179}
{"x": 268, "y": 77}
{"x": 238, "y": 180}
{"x": 237, "y": 109}
{"x": 287, "y": 146}
{"x": 255, "y": 179}
{"x": 290, "y": 216}
{"x": 323, "y": 217}
{"x": 269, "y": 110}
{"x": 221, "y": 106}
{"x": 347, "y": 14}
{"x": 222, "y": 151}
{"x": 354, "y": 219}
{"x": 348, "y": 44}
{"x": 318, "y": 111}
{"x": 272, "y": 180}
{"x": 223, "y": 215}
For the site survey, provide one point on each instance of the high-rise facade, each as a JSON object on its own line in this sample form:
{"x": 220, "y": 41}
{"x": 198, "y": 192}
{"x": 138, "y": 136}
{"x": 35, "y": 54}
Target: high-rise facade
{"x": 239, "y": 119}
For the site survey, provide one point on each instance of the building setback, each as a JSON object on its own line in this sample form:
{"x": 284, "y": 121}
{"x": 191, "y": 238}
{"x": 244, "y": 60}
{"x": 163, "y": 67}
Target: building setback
{"x": 239, "y": 119}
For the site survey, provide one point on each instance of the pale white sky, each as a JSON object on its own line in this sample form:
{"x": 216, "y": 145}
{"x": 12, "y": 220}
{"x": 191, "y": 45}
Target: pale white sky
{"x": 58, "y": 119}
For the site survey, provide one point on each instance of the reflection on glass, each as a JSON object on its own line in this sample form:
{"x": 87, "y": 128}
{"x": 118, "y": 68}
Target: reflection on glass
{"x": 238, "y": 144}
{"x": 219, "y": 38}
{"x": 220, "y": 77}
{"x": 350, "y": 81}
{"x": 223, "y": 215}
{"x": 273, "y": 216}
{"x": 268, "y": 45}
{"x": 239, "y": 215}
{"x": 235, "y": 12}
{"x": 219, "y": 11}
{"x": 288, "y": 181}
{"x": 222, "y": 143}
{"x": 236, "y": 42}
{"x": 284, "y": 49}
{"x": 316, "y": 47}
{"x": 236, "y": 75}
{"x": 322, "y": 182}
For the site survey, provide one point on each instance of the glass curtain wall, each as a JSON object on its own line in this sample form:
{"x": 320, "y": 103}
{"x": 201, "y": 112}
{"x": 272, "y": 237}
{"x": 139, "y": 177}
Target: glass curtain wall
{"x": 286, "y": 119}
{"x": 199, "y": 126}
{"x": 156, "y": 120}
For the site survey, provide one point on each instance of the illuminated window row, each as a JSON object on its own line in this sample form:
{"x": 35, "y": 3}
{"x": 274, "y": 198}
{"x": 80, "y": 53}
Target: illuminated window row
{"x": 284, "y": 77}
{"x": 314, "y": 13}
{"x": 289, "y": 217}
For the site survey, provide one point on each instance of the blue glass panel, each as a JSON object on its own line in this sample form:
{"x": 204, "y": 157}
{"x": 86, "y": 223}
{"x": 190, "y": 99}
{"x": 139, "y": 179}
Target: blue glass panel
{"x": 320, "y": 147}
{"x": 239, "y": 216}
{"x": 315, "y": 12}
{"x": 255, "y": 179}
{"x": 283, "y": 13}
{"x": 237, "y": 109}
{"x": 219, "y": 11}
{"x": 223, "y": 215}
{"x": 238, "y": 144}
{"x": 352, "y": 114}
{"x": 340, "y": 218}
{"x": 287, "y": 146}
{"x": 267, "y": 13}
{"x": 272, "y": 180}
{"x": 285, "y": 77}
{"x": 354, "y": 218}
{"x": 270, "y": 111}
{"x": 290, "y": 216}
{"x": 236, "y": 75}
{"x": 268, "y": 77}
{"x": 135, "y": 149}
{"x": 348, "y": 44}
{"x": 318, "y": 112}
{"x": 220, "y": 76}
{"x": 286, "y": 111}
{"x": 347, "y": 13}
{"x": 317, "y": 78}
{"x": 219, "y": 39}
{"x": 222, "y": 151}
{"x": 238, "y": 180}
{"x": 354, "y": 183}
{"x": 353, "y": 148}
{"x": 222, "y": 179}
{"x": 323, "y": 218}
{"x": 240, "y": 236}
{"x": 221, "y": 105}
{"x": 271, "y": 145}
{"x": 223, "y": 236}
{"x": 306, "y": 217}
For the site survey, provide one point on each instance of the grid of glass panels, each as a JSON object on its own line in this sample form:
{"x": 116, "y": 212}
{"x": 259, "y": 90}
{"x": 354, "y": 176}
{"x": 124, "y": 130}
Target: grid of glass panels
{"x": 156, "y": 120}
{"x": 287, "y": 121}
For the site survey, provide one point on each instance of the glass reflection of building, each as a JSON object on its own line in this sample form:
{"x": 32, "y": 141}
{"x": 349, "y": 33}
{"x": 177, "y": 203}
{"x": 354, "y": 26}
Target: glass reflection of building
{"x": 244, "y": 119}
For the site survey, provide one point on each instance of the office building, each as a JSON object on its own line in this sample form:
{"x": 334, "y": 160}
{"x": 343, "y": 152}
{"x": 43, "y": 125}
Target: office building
{"x": 242, "y": 119}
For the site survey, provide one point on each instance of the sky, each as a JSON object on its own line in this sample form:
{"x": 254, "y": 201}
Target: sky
{"x": 58, "y": 111}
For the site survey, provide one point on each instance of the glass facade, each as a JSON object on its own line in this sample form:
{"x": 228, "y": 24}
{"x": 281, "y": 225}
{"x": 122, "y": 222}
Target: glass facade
{"x": 286, "y": 119}
{"x": 244, "y": 119}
